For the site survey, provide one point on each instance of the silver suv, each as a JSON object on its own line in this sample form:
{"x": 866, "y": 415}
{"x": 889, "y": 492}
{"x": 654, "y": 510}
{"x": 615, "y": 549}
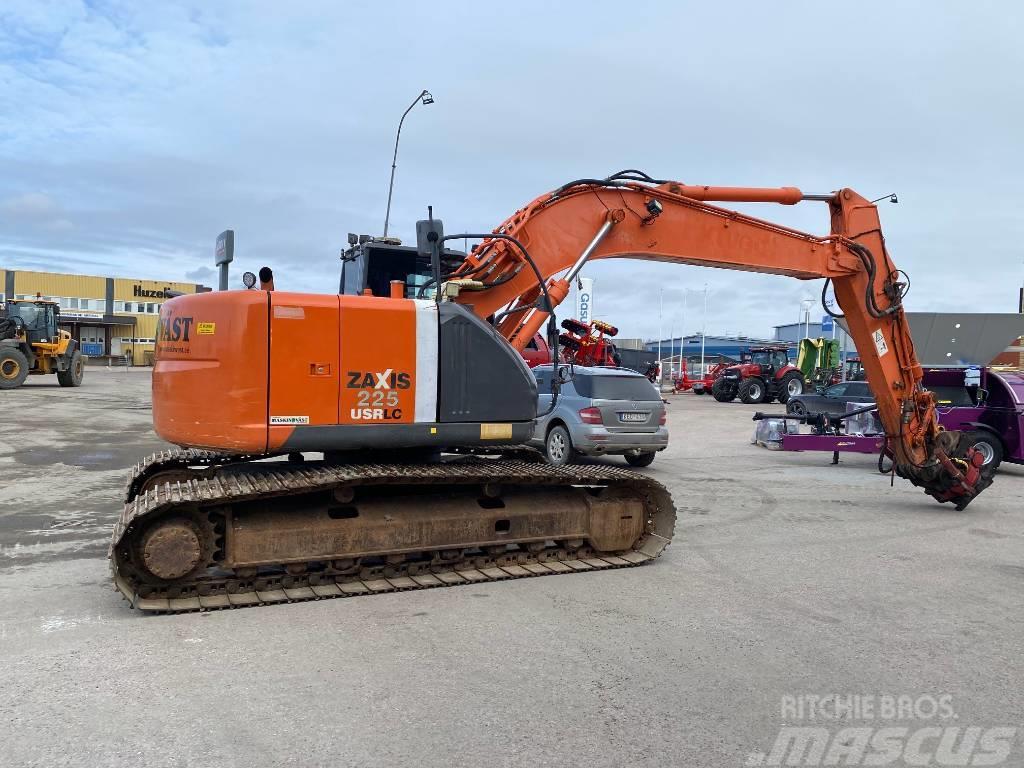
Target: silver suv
{"x": 600, "y": 411}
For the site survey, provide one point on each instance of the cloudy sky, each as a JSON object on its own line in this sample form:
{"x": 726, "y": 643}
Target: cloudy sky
{"x": 132, "y": 133}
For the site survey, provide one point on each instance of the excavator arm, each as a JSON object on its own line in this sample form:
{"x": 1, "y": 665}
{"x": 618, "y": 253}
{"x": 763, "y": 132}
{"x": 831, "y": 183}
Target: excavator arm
{"x": 630, "y": 215}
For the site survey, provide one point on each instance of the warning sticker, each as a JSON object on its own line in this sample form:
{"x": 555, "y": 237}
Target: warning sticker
{"x": 289, "y": 420}
{"x": 880, "y": 344}
{"x": 206, "y": 329}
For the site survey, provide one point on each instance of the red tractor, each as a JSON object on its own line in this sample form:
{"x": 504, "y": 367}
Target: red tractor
{"x": 762, "y": 375}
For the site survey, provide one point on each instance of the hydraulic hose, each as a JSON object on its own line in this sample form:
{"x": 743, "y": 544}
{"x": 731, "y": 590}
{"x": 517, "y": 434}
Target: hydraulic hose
{"x": 548, "y": 306}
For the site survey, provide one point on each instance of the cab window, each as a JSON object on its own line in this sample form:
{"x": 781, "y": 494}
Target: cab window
{"x": 30, "y": 314}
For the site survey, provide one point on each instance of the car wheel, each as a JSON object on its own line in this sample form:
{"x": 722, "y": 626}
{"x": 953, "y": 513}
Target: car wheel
{"x": 796, "y": 408}
{"x": 13, "y": 368}
{"x": 558, "y": 447}
{"x": 752, "y": 391}
{"x": 640, "y": 458}
{"x": 989, "y": 446}
{"x": 792, "y": 385}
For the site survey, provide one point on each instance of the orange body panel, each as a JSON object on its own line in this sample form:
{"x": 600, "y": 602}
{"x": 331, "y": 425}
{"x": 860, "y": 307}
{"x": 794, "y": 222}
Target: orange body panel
{"x": 239, "y": 371}
{"x": 210, "y": 378}
{"x": 378, "y": 344}
{"x": 304, "y": 363}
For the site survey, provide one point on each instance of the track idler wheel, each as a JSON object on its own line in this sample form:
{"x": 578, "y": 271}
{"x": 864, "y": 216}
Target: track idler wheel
{"x": 172, "y": 549}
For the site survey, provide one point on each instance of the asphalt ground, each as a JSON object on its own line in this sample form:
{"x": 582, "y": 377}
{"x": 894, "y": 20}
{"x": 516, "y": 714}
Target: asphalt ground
{"x": 788, "y": 579}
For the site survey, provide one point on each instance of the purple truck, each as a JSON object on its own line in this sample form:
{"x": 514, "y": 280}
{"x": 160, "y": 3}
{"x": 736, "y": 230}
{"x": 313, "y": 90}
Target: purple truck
{"x": 988, "y": 404}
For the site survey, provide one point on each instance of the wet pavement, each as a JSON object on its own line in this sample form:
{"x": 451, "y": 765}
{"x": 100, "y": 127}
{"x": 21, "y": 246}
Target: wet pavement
{"x": 64, "y": 456}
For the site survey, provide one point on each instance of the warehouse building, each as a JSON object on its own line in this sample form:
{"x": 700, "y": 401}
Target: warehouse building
{"x": 791, "y": 333}
{"x": 113, "y": 318}
{"x": 715, "y": 347}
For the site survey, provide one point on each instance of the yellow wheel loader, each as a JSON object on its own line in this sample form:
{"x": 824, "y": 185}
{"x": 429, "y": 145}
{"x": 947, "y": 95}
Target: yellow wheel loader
{"x": 31, "y": 343}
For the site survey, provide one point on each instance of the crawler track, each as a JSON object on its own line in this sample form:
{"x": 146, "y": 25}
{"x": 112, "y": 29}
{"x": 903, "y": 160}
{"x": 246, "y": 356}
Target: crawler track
{"x": 417, "y": 526}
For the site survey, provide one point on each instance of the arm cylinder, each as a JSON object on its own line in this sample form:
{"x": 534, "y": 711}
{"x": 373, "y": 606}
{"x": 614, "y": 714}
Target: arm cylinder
{"x": 783, "y": 195}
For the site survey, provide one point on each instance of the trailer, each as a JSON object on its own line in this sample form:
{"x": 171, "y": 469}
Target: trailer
{"x": 987, "y": 403}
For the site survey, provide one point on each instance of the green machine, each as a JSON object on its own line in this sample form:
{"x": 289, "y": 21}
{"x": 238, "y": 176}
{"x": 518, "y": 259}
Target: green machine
{"x": 818, "y": 360}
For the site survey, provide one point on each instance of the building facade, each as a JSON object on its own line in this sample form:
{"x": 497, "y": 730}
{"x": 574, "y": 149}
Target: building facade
{"x": 111, "y": 317}
{"x": 793, "y": 332}
{"x": 714, "y": 346}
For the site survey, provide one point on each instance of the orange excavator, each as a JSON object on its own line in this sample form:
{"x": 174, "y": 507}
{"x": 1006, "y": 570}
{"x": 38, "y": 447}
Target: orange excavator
{"x": 409, "y": 384}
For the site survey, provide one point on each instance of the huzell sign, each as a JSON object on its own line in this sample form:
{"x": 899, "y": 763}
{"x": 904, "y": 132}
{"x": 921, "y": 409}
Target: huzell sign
{"x": 146, "y": 294}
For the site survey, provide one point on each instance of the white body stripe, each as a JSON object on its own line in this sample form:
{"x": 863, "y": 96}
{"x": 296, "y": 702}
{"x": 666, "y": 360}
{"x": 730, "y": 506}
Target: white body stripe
{"x": 426, "y": 361}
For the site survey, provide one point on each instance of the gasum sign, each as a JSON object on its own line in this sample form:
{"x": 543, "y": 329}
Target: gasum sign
{"x": 585, "y": 300}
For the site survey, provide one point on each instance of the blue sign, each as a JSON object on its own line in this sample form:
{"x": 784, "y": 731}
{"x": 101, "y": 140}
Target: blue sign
{"x": 827, "y": 323}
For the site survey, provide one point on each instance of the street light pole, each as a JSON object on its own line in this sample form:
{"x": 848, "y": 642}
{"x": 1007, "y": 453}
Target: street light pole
{"x": 425, "y": 98}
{"x": 805, "y": 310}
{"x": 661, "y": 329}
{"x": 671, "y": 347}
{"x": 684, "y": 362}
{"x": 703, "y": 329}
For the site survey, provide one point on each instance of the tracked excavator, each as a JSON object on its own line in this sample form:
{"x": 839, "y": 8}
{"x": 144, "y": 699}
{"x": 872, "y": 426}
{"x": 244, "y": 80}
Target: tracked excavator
{"x": 409, "y": 384}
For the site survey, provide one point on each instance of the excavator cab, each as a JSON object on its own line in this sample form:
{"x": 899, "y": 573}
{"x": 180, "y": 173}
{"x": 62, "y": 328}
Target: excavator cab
{"x": 375, "y": 264}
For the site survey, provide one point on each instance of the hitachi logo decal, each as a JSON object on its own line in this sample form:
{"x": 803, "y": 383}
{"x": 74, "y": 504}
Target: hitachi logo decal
{"x": 389, "y": 379}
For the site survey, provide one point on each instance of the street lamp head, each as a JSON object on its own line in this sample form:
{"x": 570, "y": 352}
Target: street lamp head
{"x": 426, "y": 98}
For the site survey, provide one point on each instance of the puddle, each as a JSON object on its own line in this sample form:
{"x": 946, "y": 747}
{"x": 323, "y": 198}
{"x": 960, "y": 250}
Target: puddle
{"x": 77, "y": 457}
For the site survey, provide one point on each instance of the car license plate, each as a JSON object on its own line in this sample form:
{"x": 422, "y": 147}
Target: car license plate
{"x": 633, "y": 416}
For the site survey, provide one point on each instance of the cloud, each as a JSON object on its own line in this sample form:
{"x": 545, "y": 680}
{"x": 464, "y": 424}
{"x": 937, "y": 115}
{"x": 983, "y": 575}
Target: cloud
{"x": 202, "y": 275}
{"x": 31, "y": 205}
{"x": 132, "y": 133}
{"x": 34, "y": 211}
